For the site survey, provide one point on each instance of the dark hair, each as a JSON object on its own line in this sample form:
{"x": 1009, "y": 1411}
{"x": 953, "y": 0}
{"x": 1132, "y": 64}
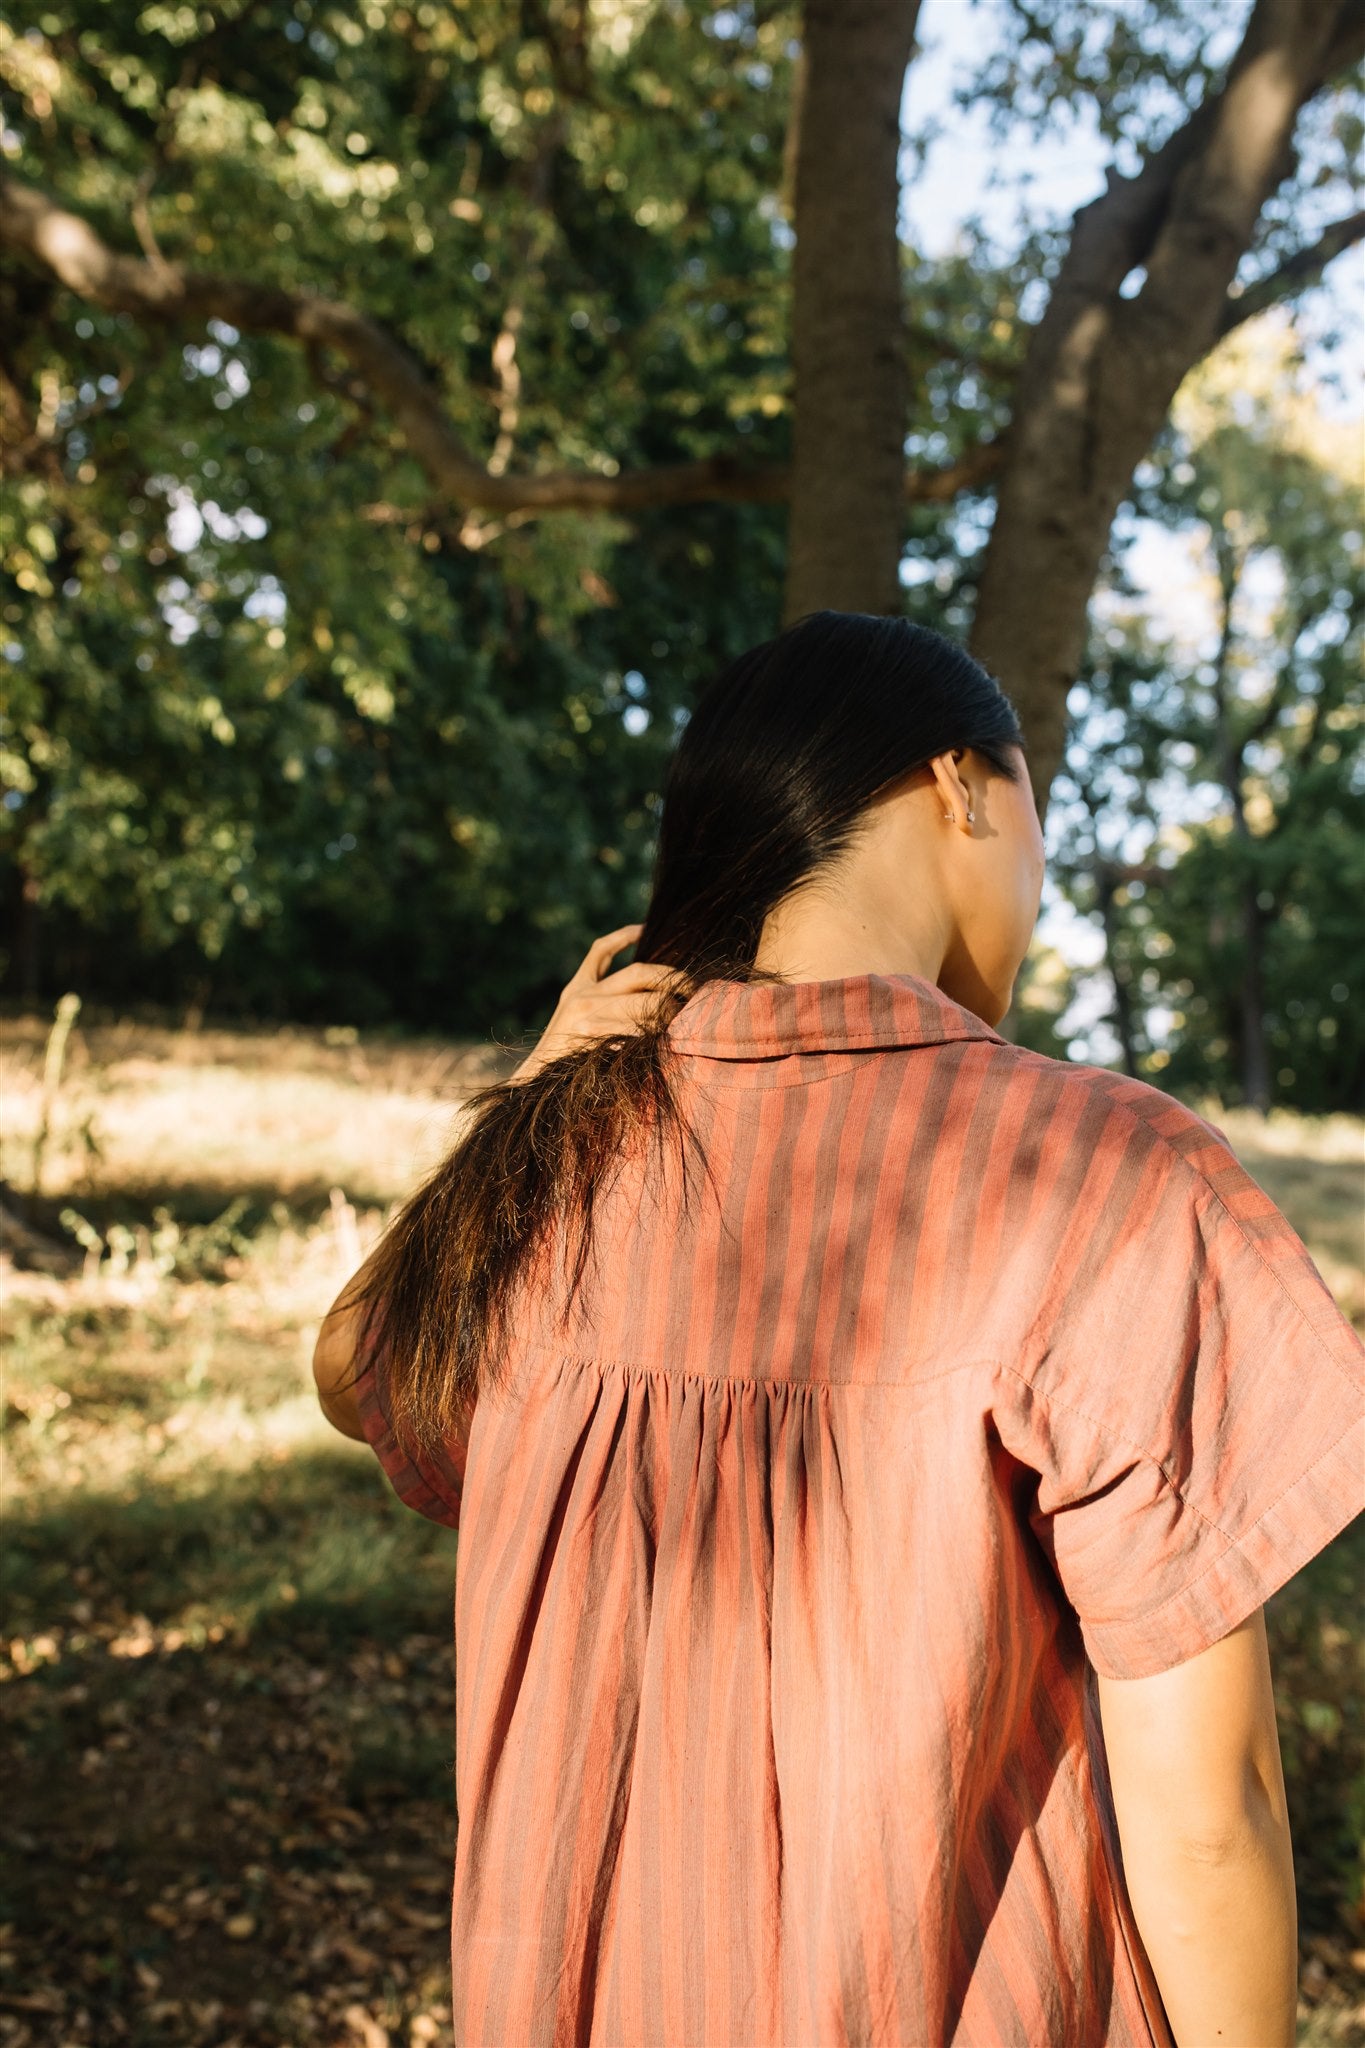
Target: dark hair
{"x": 777, "y": 764}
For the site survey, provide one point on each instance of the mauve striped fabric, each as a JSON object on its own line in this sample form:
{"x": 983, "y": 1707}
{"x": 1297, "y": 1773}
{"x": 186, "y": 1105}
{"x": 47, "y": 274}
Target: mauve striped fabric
{"x": 786, "y": 1562}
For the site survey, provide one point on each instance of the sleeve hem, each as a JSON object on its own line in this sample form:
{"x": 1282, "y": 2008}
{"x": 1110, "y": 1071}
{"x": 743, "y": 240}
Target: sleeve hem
{"x": 1302, "y": 1522}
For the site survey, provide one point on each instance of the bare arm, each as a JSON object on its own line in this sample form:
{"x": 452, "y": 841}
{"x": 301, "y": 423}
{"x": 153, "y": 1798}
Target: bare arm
{"x": 1194, "y": 1761}
{"x": 334, "y": 1356}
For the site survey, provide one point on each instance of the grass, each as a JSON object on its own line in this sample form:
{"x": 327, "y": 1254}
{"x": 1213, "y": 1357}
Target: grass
{"x": 227, "y": 1668}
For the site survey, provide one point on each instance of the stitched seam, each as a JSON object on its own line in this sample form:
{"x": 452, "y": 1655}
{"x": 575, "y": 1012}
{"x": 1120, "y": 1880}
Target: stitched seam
{"x": 1114, "y": 1436}
{"x": 775, "y": 1048}
{"x": 1289, "y": 1296}
{"x": 1204, "y": 1181}
{"x": 1143, "y": 1615}
{"x": 1234, "y": 1544}
{"x": 833, "y": 1064}
{"x": 733, "y": 1379}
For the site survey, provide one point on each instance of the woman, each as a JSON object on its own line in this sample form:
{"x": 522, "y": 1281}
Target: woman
{"x": 872, "y": 1443}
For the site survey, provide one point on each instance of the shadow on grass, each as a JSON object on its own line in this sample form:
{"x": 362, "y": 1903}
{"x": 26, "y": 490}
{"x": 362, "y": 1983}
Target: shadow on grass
{"x": 231, "y": 1708}
{"x": 309, "y": 1544}
{"x": 237, "y": 1210}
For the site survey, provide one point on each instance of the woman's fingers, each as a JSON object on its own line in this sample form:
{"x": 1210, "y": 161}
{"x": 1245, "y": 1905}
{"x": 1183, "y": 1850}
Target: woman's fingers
{"x": 610, "y": 1005}
{"x": 618, "y": 1002}
{"x": 625, "y": 1013}
{"x": 597, "y": 1003}
{"x": 594, "y": 962}
{"x": 641, "y": 974}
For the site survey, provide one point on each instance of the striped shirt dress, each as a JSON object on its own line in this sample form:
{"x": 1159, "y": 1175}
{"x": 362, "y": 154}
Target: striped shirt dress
{"x": 786, "y": 1560}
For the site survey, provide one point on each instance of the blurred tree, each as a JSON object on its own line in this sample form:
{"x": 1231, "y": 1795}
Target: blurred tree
{"x": 494, "y": 301}
{"x": 1183, "y": 245}
{"x": 1047, "y": 986}
{"x": 1244, "y": 924}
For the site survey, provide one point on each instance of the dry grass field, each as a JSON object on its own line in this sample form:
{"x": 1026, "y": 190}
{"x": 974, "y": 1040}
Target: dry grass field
{"x": 226, "y": 1682}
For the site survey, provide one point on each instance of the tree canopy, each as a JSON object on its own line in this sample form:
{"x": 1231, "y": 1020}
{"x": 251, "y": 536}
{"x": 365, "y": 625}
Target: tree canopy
{"x": 406, "y": 408}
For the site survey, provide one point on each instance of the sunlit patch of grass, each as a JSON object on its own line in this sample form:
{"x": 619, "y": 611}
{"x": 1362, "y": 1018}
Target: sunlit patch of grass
{"x": 193, "y": 1119}
{"x": 1325, "y": 2030}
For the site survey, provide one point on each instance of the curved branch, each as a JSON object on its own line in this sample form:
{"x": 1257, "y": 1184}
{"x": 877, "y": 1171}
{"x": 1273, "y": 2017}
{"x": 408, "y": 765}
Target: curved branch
{"x": 69, "y": 248}
{"x": 1294, "y": 274}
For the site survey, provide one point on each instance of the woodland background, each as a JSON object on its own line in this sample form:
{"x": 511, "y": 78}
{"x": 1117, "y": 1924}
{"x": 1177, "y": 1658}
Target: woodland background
{"x": 404, "y": 410}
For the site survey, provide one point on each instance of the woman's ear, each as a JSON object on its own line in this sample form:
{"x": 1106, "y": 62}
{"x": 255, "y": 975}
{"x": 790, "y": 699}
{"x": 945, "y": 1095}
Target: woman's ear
{"x": 950, "y": 788}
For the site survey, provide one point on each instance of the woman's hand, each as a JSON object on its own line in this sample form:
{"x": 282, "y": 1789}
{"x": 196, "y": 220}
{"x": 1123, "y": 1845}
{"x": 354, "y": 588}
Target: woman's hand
{"x": 594, "y": 1003}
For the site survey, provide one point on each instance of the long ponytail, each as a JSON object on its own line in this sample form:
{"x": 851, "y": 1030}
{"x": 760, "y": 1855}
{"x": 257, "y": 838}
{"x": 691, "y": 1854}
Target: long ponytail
{"x": 775, "y": 767}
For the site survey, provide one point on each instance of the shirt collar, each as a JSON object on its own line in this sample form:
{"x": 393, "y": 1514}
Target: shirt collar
{"x": 737, "y": 1020}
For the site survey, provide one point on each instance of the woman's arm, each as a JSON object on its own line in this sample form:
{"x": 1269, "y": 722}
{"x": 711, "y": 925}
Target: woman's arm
{"x": 334, "y": 1358}
{"x": 1194, "y": 1764}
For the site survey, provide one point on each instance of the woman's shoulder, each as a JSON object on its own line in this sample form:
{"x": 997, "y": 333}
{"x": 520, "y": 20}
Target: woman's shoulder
{"x": 1107, "y": 1107}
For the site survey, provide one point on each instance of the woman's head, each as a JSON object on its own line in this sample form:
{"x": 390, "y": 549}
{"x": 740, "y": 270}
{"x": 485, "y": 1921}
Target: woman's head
{"x": 803, "y": 836}
{"x": 805, "y": 825}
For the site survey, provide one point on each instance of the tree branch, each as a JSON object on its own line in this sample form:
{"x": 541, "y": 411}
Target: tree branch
{"x": 169, "y": 295}
{"x": 1348, "y": 44}
{"x": 1117, "y": 232}
{"x": 1296, "y": 272}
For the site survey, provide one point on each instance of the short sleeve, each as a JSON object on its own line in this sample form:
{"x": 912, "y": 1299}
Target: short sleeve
{"x": 433, "y": 1486}
{"x": 1192, "y": 1402}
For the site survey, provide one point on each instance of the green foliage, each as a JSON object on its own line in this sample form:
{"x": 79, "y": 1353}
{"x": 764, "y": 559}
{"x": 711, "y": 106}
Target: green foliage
{"x": 1253, "y": 708}
{"x": 283, "y": 732}
{"x": 280, "y": 733}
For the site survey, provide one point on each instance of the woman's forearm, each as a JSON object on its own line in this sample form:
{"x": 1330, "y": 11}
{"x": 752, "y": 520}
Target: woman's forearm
{"x": 1219, "y": 1922}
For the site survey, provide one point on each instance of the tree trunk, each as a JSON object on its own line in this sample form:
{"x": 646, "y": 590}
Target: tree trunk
{"x": 847, "y": 506}
{"x": 1101, "y": 369}
{"x": 1255, "y": 1052}
{"x": 1107, "y": 882}
{"x": 1230, "y": 565}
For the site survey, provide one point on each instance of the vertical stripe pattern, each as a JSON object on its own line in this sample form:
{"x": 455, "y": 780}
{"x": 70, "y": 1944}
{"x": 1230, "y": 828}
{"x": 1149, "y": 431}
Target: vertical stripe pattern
{"x": 788, "y": 1558}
